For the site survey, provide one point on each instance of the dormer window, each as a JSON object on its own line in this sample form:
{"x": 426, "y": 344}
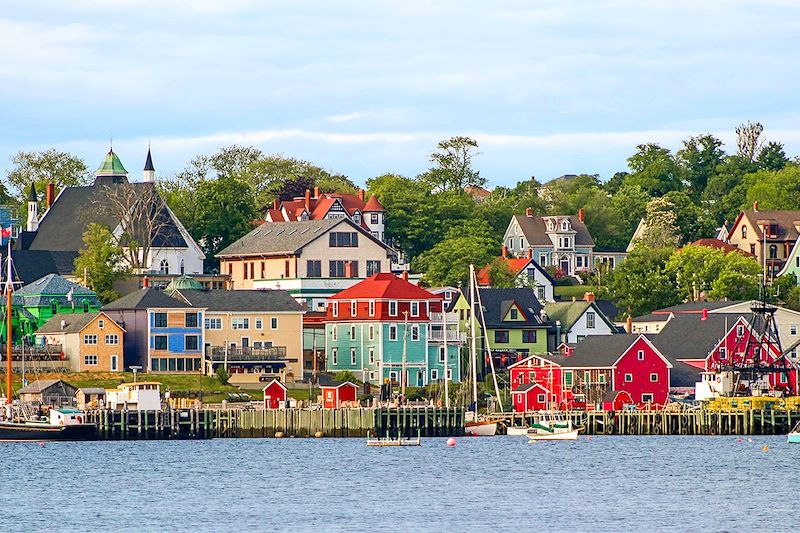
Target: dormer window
{"x": 744, "y": 232}
{"x": 565, "y": 225}
{"x": 550, "y": 225}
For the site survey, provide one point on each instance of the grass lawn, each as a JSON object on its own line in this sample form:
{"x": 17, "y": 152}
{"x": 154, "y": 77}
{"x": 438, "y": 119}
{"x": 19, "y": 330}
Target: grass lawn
{"x": 568, "y": 291}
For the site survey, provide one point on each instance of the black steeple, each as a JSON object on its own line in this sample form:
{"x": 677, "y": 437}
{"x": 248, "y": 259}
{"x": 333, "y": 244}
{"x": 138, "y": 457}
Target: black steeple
{"x": 32, "y": 194}
{"x": 148, "y": 164}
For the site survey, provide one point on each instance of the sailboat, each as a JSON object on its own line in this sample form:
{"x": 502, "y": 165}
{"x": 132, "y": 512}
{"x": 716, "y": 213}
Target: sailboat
{"x": 473, "y": 426}
{"x": 21, "y": 425}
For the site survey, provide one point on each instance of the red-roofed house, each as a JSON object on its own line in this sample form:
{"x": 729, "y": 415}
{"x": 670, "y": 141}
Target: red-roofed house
{"x": 529, "y": 274}
{"x": 721, "y": 245}
{"x": 383, "y": 324}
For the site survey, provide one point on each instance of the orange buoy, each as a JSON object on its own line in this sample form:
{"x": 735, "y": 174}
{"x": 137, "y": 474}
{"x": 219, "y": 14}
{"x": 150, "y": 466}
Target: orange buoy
{"x": 451, "y": 441}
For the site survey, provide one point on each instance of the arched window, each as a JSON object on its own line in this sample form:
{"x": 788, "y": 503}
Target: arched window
{"x": 773, "y": 251}
{"x": 565, "y": 225}
{"x": 164, "y": 267}
{"x": 183, "y": 268}
{"x": 744, "y": 232}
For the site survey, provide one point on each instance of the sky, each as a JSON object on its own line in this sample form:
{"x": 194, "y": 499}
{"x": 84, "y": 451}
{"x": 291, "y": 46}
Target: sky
{"x": 368, "y": 87}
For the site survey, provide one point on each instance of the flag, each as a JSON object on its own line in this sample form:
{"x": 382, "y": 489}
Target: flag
{"x": 5, "y": 233}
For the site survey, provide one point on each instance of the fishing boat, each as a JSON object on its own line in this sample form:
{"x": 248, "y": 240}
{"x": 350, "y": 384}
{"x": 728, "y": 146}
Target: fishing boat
{"x": 390, "y": 441}
{"x": 551, "y": 426}
{"x": 794, "y": 435}
{"x": 18, "y": 423}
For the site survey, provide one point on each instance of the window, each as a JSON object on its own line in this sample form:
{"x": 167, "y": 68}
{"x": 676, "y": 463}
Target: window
{"x": 543, "y": 259}
{"x": 114, "y": 359}
{"x": 336, "y": 269}
{"x": 159, "y": 320}
{"x": 647, "y": 398}
{"x": 434, "y": 374}
{"x": 372, "y": 333}
{"x": 333, "y": 332}
{"x": 441, "y": 354}
{"x": 353, "y": 269}
{"x": 240, "y": 323}
{"x": 353, "y": 308}
{"x": 314, "y": 268}
{"x": 54, "y": 308}
{"x": 541, "y": 398}
{"x": 793, "y": 329}
{"x": 529, "y": 336}
{"x": 334, "y": 356}
{"x": 740, "y": 331}
{"x": 568, "y": 378}
{"x": 590, "y": 320}
{"x": 373, "y": 267}
{"x": 213, "y": 323}
{"x": 374, "y": 218}
{"x": 540, "y": 293}
{"x": 587, "y": 377}
{"x": 352, "y": 332}
{"x": 259, "y": 323}
{"x": 628, "y": 378}
{"x": 90, "y": 339}
{"x": 640, "y": 355}
{"x": 112, "y": 339}
{"x": 393, "y": 332}
{"x": 163, "y": 267}
{"x": 414, "y": 333}
{"x": 601, "y": 379}
{"x": 514, "y": 314}
{"x": 90, "y": 360}
{"x": 191, "y": 320}
{"x": 653, "y": 377}
{"x": 501, "y": 336}
{"x": 191, "y": 343}
{"x": 521, "y": 243}
{"x": 352, "y": 356}
{"x": 773, "y": 251}
{"x": 783, "y": 379}
{"x": 101, "y": 323}
{"x": 371, "y": 356}
{"x": 753, "y": 249}
{"x": 449, "y": 373}
{"x": 343, "y": 239}
{"x": 335, "y": 308}
{"x": 414, "y": 308}
{"x": 273, "y": 323}
{"x": 372, "y": 308}
{"x": 160, "y": 342}
{"x": 393, "y": 308}
{"x": 723, "y": 353}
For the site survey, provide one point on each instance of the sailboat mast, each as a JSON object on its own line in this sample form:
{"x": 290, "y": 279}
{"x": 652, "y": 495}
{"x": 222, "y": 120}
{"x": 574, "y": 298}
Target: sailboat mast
{"x": 446, "y": 356}
{"x": 9, "y": 290}
{"x": 473, "y": 347}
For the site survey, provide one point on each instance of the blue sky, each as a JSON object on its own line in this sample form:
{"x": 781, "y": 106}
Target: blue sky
{"x": 363, "y": 88}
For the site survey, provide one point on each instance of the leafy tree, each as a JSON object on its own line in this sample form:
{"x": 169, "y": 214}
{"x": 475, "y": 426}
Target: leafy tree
{"x": 629, "y": 206}
{"x": 642, "y": 282}
{"x": 616, "y": 181}
{"x": 691, "y": 221}
{"x": 772, "y": 157}
{"x": 223, "y": 375}
{"x": 792, "y": 299}
{"x": 699, "y": 158}
{"x": 276, "y": 176}
{"x": 654, "y": 170}
{"x": 740, "y": 279}
{"x": 447, "y": 263}
{"x": 40, "y": 168}
{"x": 500, "y": 275}
{"x": 773, "y": 189}
{"x": 100, "y": 262}
{"x": 452, "y": 168}
{"x": 724, "y": 192}
{"x": 661, "y": 228}
{"x": 695, "y": 268}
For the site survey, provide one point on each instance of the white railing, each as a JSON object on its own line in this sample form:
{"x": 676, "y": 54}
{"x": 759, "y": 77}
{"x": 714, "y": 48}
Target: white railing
{"x": 452, "y": 336}
{"x": 436, "y": 318}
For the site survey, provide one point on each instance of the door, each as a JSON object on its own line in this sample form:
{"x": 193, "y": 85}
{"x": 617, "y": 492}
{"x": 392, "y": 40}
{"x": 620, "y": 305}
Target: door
{"x": 245, "y": 342}
{"x": 114, "y": 363}
{"x": 420, "y": 378}
{"x": 565, "y": 265}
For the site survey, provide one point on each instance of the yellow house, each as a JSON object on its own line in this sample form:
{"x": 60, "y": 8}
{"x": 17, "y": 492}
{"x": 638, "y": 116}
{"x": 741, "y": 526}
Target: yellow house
{"x": 91, "y": 342}
{"x": 257, "y": 335}
{"x": 767, "y": 234}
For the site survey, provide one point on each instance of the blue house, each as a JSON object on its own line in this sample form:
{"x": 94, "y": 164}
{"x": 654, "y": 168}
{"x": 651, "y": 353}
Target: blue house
{"x": 163, "y": 334}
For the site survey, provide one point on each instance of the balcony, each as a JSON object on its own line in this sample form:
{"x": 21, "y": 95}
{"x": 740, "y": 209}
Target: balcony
{"x": 246, "y": 355}
{"x": 436, "y": 318}
{"x": 452, "y": 336}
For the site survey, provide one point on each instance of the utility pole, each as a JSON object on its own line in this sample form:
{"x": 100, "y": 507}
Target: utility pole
{"x": 405, "y": 337}
{"x": 444, "y": 341}
{"x": 473, "y": 352}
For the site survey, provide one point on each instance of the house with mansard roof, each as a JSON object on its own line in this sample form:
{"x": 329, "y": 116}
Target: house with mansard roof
{"x": 769, "y": 235}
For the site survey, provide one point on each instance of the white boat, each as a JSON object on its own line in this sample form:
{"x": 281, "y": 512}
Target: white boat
{"x": 516, "y": 431}
{"x": 552, "y": 427}
{"x": 482, "y": 428}
{"x": 388, "y": 441}
{"x": 794, "y": 435}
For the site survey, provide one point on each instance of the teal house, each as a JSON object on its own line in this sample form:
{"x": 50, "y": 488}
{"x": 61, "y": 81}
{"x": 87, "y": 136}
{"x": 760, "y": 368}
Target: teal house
{"x": 383, "y": 325}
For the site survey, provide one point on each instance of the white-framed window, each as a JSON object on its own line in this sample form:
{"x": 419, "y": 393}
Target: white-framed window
{"x": 372, "y": 308}
{"x": 335, "y": 308}
{"x": 352, "y": 356}
{"x": 449, "y": 373}
{"x": 259, "y": 323}
{"x": 393, "y": 332}
{"x": 213, "y": 323}
{"x": 333, "y": 331}
{"x": 414, "y": 308}
{"x": 112, "y": 338}
{"x": 723, "y": 353}
{"x": 334, "y": 356}
{"x": 601, "y": 379}
{"x": 101, "y": 323}
{"x": 273, "y": 323}
{"x": 793, "y": 327}
{"x": 414, "y": 333}
{"x": 590, "y": 316}
{"x": 393, "y": 375}
{"x": 543, "y": 259}
{"x": 740, "y": 331}
{"x": 90, "y": 339}
{"x": 352, "y": 332}
{"x": 628, "y": 378}
{"x": 540, "y": 293}
{"x": 434, "y": 374}
{"x": 640, "y": 355}
{"x": 371, "y": 356}
{"x": 647, "y": 397}
{"x": 541, "y": 398}
{"x": 372, "y": 376}
{"x": 353, "y": 308}
{"x": 240, "y": 323}
{"x": 371, "y": 332}
{"x": 587, "y": 376}
{"x": 90, "y": 360}
{"x": 441, "y": 354}
{"x": 653, "y": 377}
{"x": 393, "y": 308}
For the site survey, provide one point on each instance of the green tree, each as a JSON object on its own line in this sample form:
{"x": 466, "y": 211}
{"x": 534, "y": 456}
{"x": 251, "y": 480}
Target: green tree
{"x": 748, "y": 139}
{"x": 629, "y": 206}
{"x": 773, "y": 189}
{"x": 772, "y": 157}
{"x": 500, "y": 275}
{"x": 447, "y": 263}
{"x": 700, "y": 157}
{"x": 642, "y": 282}
{"x": 691, "y": 221}
{"x": 654, "y": 170}
{"x": 101, "y": 262}
{"x": 452, "y": 168}
{"x": 725, "y": 192}
{"x": 695, "y": 268}
{"x": 661, "y": 228}
{"x": 40, "y": 168}
{"x": 740, "y": 279}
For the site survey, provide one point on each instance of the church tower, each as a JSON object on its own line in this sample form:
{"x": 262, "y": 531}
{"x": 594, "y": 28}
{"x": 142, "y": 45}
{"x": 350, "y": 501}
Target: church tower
{"x": 33, "y": 210}
{"x": 149, "y": 174}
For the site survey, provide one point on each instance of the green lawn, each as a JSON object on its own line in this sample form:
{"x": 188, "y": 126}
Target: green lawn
{"x": 568, "y": 291}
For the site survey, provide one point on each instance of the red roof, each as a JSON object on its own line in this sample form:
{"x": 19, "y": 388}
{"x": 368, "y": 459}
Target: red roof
{"x": 515, "y": 264}
{"x": 721, "y": 245}
{"x": 373, "y": 205}
{"x": 385, "y": 286}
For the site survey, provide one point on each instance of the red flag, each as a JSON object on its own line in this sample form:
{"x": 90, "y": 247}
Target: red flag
{"x": 5, "y": 233}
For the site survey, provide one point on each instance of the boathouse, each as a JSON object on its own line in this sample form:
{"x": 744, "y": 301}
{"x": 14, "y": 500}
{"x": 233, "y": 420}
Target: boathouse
{"x": 274, "y": 395}
{"x": 90, "y": 398}
{"x": 335, "y": 394}
{"x": 141, "y": 396}
{"x": 544, "y": 370}
{"x": 529, "y": 397}
{"x": 54, "y": 392}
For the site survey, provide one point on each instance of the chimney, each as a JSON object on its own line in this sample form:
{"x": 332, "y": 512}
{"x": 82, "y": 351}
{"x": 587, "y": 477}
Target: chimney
{"x": 316, "y": 192}
{"x": 505, "y": 251}
{"x": 581, "y": 215}
{"x": 145, "y": 282}
{"x": 308, "y": 199}
{"x": 361, "y": 193}
{"x": 755, "y": 205}
{"x": 50, "y": 194}
{"x": 704, "y": 316}
{"x": 530, "y": 253}
{"x": 528, "y": 212}
{"x": 276, "y": 204}
{"x": 63, "y": 324}
{"x": 405, "y": 275}
{"x": 629, "y": 324}
{"x": 588, "y": 296}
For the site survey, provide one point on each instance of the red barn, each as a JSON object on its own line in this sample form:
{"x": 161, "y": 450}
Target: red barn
{"x": 274, "y": 393}
{"x": 335, "y": 393}
{"x": 543, "y": 370}
{"x": 629, "y": 363}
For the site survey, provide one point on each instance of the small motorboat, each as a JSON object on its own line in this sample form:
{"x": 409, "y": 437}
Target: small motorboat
{"x": 517, "y": 431}
{"x": 794, "y": 435}
{"x": 481, "y": 428}
{"x": 552, "y": 427}
{"x": 63, "y": 424}
{"x": 393, "y": 441}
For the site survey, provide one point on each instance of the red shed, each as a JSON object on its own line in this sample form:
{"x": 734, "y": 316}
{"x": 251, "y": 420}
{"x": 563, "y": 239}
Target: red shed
{"x": 615, "y": 400}
{"x": 545, "y": 370}
{"x": 529, "y": 397}
{"x": 334, "y": 394}
{"x": 274, "y": 393}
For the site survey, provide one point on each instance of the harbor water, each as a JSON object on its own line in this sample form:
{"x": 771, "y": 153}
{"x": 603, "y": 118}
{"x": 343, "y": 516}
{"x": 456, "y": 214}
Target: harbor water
{"x": 481, "y": 484}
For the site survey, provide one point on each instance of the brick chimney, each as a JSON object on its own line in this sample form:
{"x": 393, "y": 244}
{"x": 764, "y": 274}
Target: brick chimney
{"x": 588, "y": 296}
{"x": 145, "y": 282}
{"x": 308, "y": 199}
{"x": 316, "y": 192}
{"x": 629, "y": 325}
{"x": 581, "y": 215}
{"x": 361, "y": 193}
{"x": 50, "y": 194}
{"x": 405, "y": 275}
{"x": 530, "y": 253}
{"x": 276, "y": 204}
{"x": 755, "y": 205}
{"x": 528, "y": 212}
{"x": 505, "y": 251}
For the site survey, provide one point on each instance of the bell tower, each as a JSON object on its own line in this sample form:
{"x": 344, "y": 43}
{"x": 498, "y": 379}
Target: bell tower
{"x": 33, "y": 210}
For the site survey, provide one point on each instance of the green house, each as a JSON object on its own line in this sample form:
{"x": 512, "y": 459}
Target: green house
{"x": 37, "y": 302}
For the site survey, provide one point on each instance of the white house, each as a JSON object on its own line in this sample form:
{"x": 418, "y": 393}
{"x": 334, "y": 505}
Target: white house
{"x": 141, "y": 396}
{"x": 576, "y": 320}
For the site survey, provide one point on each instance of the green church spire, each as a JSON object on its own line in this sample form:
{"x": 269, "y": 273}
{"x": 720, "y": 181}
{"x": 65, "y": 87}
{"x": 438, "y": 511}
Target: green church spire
{"x": 111, "y": 166}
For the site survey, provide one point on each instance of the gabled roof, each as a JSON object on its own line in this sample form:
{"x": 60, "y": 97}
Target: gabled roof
{"x": 31, "y": 265}
{"x": 688, "y": 336}
{"x": 73, "y": 322}
{"x": 785, "y": 220}
{"x": 697, "y": 307}
{"x": 40, "y": 385}
{"x": 525, "y": 387}
{"x": 288, "y": 238}
{"x": 257, "y": 301}
{"x": 494, "y": 301}
{"x": 54, "y": 287}
{"x": 515, "y": 265}
{"x": 569, "y": 313}
{"x": 721, "y": 245}
{"x": 535, "y": 230}
{"x": 600, "y": 350}
{"x": 385, "y": 286}
{"x": 555, "y": 358}
{"x": 147, "y": 298}
{"x": 337, "y": 384}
